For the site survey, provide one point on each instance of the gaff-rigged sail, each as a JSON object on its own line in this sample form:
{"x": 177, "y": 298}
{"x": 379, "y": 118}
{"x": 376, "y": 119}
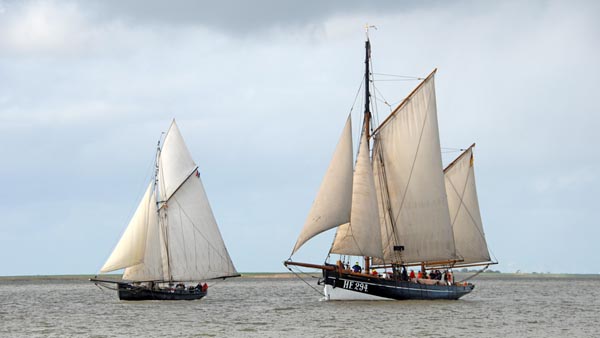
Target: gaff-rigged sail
{"x": 179, "y": 240}
{"x": 331, "y": 207}
{"x": 410, "y": 181}
{"x": 464, "y": 209}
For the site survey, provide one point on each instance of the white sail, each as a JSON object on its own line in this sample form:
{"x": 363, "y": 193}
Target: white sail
{"x": 195, "y": 246}
{"x": 464, "y": 209}
{"x": 361, "y": 237}
{"x": 332, "y": 204}
{"x": 175, "y": 163}
{"x": 409, "y": 178}
{"x": 181, "y": 240}
{"x": 131, "y": 248}
{"x": 154, "y": 265}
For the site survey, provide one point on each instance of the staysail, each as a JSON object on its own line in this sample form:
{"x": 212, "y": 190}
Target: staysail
{"x": 464, "y": 209}
{"x": 410, "y": 182}
{"x": 331, "y": 207}
{"x": 131, "y": 248}
{"x": 177, "y": 237}
{"x": 361, "y": 237}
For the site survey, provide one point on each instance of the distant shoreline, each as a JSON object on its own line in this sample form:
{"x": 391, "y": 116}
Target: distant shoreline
{"x": 287, "y": 275}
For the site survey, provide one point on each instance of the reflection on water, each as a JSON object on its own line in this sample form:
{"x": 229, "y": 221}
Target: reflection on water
{"x": 288, "y": 307}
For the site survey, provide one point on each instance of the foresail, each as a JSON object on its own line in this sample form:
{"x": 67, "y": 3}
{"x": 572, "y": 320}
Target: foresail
{"x": 154, "y": 265}
{"x": 332, "y": 204}
{"x": 361, "y": 237}
{"x": 131, "y": 248}
{"x": 409, "y": 179}
{"x": 175, "y": 163}
{"x": 195, "y": 246}
{"x": 464, "y": 209}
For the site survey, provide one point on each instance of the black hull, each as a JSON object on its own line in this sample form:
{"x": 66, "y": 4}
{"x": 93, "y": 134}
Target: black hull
{"x": 394, "y": 289}
{"x": 133, "y": 292}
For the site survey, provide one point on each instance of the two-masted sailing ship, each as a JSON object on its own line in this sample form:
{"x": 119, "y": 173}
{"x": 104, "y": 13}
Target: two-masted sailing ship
{"x": 397, "y": 208}
{"x": 173, "y": 238}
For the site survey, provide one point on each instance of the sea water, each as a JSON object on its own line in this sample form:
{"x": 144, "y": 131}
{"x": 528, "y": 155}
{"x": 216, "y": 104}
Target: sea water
{"x": 287, "y": 307}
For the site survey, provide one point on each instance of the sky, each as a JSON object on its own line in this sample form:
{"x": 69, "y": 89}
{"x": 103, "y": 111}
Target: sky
{"x": 260, "y": 91}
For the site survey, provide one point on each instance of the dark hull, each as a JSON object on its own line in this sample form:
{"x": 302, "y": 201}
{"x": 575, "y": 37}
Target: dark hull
{"x": 133, "y": 292}
{"x": 394, "y": 289}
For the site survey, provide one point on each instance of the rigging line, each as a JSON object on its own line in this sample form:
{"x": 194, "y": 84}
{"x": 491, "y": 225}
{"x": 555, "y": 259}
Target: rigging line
{"x": 386, "y": 197}
{"x": 383, "y": 100}
{"x": 402, "y": 76}
{"x": 357, "y": 93}
{"x": 396, "y": 80}
{"x": 374, "y": 103}
{"x": 307, "y": 283}
{"x": 162, "y": 217}
{"x": 478, "y": 272}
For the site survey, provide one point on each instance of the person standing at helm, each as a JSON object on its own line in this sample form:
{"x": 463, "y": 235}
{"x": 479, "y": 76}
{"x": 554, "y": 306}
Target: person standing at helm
{"x": 356, "y": 268}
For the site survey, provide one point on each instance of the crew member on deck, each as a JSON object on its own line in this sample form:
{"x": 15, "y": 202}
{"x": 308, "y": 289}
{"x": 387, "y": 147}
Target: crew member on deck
{"x": 404, "y": 274}
{"x": 356, "y": 268}
{"x": 374, "y": 273}
{"x": 412, "y": 274}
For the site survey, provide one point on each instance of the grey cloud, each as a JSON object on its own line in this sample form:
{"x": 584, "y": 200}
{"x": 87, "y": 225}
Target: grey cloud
{"x": 245, "y": 17}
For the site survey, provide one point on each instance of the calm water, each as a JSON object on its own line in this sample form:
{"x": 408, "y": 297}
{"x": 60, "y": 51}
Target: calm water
{"x": 287, "y": 307}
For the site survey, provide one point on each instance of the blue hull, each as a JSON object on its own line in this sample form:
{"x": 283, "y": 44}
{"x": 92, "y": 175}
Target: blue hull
{"x": 394, "y": 289}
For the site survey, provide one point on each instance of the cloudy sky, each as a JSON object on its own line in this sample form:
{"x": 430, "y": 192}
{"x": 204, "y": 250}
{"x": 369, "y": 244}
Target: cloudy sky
{"x": 260, "y": 91}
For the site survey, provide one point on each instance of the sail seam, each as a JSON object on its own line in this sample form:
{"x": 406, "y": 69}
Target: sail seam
{"x": 410, "y": 175}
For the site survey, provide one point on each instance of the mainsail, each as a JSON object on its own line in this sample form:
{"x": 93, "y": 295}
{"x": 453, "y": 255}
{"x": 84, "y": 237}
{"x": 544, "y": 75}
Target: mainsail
{"x": 464, "y": 209}
{"x": 177, "y": 237}
{"x": 410, "y": 183}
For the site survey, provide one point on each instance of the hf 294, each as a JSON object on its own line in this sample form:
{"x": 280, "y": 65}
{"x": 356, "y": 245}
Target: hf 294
{"x": 356, "y": 286}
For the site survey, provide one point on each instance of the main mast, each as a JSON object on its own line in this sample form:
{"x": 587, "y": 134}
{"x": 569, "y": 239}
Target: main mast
{"x": 367, "y": 111}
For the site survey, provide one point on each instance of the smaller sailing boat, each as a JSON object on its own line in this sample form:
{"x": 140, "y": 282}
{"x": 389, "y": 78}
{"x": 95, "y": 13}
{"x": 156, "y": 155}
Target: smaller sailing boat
{"x": 396, "y": 207}
{"x": 173, "y": 237}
